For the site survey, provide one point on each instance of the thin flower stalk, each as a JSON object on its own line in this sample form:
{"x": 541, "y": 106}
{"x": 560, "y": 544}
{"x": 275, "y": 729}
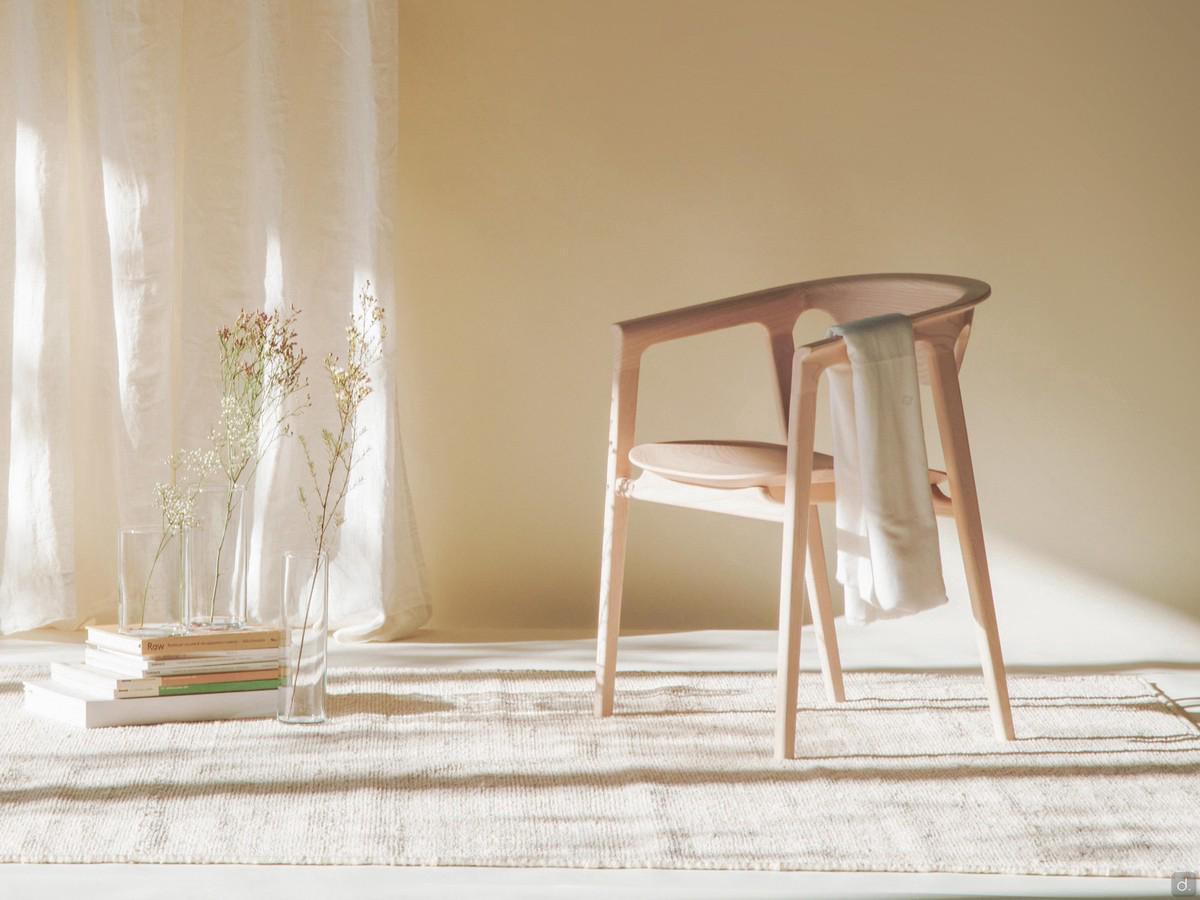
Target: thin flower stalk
{"x": 350, "y": 382}
{"x": 176, "y": 503}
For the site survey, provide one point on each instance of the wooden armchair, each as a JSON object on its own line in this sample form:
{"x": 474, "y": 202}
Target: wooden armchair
{"x": 782, "y": 483}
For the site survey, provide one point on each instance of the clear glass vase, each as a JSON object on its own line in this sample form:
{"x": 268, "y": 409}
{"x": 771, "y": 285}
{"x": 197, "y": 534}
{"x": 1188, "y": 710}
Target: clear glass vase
{"x": 152, "y": 567}
{"x": 218, "y": 558}
{"x": 305, "y": 628}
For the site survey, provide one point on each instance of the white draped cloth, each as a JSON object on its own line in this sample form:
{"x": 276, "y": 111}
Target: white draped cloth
{"x": 164, "y": 164}
{"x": 888, "y": 559}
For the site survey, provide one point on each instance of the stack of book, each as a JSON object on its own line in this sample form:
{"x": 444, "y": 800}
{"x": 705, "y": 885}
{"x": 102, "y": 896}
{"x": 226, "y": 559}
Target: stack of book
{"x": 129, "y": 680}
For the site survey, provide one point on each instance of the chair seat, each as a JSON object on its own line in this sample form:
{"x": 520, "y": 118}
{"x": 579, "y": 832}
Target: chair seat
{"x": 731, "y": 464}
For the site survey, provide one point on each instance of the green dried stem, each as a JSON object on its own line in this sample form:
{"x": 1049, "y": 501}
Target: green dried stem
{"x": 351, "y": 385}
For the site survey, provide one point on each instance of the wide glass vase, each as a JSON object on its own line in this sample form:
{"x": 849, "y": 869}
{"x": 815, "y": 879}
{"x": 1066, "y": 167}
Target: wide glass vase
{"x": 152, "y": 581}
{"x": 218, "y": 558}
{"x": 305, "y": 630}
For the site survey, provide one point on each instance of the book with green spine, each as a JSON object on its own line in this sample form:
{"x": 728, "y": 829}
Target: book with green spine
{"x": 220, "y": 687}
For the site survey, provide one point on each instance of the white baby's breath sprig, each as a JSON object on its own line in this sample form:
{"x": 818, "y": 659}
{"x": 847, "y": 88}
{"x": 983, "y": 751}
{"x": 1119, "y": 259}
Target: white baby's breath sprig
{"x": 177, "y": 503}
{"x": 177, "y": 498}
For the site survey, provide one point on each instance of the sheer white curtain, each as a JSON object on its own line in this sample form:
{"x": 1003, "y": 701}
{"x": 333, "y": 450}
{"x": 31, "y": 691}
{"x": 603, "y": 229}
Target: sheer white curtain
{"x": 164, "y": 164}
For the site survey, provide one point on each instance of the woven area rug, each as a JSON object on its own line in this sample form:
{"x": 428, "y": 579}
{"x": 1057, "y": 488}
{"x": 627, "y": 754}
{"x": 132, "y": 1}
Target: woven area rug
{"x": 510, "y": 769}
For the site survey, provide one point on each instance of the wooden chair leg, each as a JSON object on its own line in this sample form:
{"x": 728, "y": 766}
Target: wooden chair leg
{"x": 791, "y": 614}
{"x": 612, "y": 574}
{"x": 801, "y": 424}
{"x": 820, "y": 600}
{"x": 952, "y": 424}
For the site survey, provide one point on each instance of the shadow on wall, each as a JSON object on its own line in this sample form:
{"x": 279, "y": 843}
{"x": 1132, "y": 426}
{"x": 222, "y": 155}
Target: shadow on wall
{"x": 592, "y": 171}
{"x": 1071, "y": 507}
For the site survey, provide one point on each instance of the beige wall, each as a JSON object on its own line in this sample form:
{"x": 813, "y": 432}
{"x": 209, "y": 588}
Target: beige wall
{"x": 568, "y": 164}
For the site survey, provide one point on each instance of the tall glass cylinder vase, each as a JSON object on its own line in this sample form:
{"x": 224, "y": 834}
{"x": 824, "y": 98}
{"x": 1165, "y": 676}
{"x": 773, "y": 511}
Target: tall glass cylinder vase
{"x": 152, "y": 582}
{"x": 218, "y": 558}
{"x": 305, "y": 628}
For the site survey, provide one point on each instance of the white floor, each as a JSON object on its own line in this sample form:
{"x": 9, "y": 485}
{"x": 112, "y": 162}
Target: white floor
{"x": 1164, "y": 646}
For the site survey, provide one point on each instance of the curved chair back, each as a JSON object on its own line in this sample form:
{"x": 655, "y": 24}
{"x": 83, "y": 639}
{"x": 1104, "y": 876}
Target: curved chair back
{"x": 858, "y": 296}
{"x": 937, "y": 304}
{"x": 933, "y": 302}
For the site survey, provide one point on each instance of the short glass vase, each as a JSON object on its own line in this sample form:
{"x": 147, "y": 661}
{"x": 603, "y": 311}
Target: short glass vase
{"x": 218, "y": 558}
{"x": 305, "y": 623}
{"x": 152, "y": 583}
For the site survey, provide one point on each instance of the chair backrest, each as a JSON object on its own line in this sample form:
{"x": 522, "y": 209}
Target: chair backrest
{"x": 933, "y": 302}
{"x": 921, "y": 297}
{"x": 860, "y": 296}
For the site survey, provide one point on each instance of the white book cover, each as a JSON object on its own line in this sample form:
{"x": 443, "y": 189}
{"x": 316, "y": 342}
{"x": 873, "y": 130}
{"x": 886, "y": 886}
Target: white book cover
{"x": 81, "y": 708}
{"x": 138, "y": 667}
{"x": 204, "y": 642}
{"x": 103, "y": 683}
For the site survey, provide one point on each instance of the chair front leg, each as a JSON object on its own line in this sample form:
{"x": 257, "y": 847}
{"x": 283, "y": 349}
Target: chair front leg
{"x": 952, "y": 425}
{"x": 801, "y": 425}
{"x": 612, "y": 574}
{"x": 616, "y": 522}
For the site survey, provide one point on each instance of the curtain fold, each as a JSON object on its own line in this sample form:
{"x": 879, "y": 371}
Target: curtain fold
{"x": 167, "y": 164}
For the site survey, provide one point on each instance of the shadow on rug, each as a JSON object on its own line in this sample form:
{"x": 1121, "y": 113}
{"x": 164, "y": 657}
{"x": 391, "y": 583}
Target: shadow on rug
{"x": 510, "y": 769}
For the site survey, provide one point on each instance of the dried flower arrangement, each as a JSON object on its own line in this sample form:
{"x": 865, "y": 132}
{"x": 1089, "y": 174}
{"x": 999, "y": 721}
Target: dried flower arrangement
{"x": 351, "y": 385}
{"x": 262, "y": 390}
{"x": 176, "y": 503}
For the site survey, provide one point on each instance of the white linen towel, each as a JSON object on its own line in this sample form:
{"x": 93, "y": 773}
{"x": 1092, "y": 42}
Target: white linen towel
{"x": 888, "y": 559}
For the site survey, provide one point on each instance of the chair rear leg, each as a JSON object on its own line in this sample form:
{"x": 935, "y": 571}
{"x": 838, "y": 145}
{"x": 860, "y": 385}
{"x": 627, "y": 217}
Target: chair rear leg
{"x": 820, "y": 600}
{"x": 612, "y": 574}
{"x": 801, "y": 425}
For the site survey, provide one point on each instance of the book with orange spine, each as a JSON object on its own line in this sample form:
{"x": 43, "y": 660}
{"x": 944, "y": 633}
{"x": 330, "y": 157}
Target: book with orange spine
{"x": 118, "y": 686}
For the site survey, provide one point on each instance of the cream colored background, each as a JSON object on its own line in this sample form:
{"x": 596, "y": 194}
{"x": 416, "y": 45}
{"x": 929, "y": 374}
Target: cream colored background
{"x": 568, "y": 164}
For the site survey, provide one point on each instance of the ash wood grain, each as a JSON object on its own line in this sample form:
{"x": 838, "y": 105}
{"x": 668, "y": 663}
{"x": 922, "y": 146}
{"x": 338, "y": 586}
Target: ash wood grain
{"x": 744, "y": 478}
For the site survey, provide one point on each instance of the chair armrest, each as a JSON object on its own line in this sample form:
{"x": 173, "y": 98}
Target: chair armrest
{"x": 776, "y": 309}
